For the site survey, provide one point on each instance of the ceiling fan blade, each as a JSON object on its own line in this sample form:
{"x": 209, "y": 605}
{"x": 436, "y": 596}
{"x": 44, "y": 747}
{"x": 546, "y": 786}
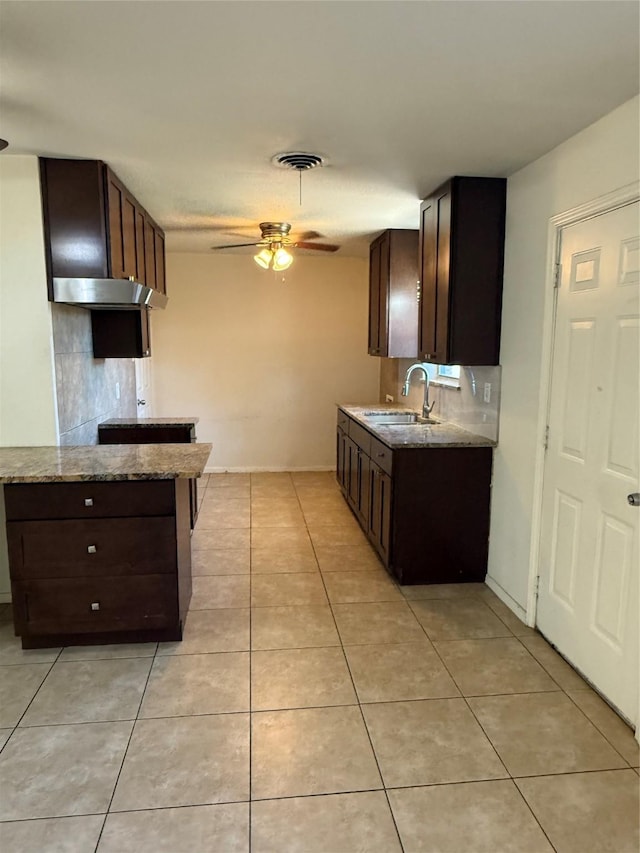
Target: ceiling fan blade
{"x": 238, "y": 245}
{"x": 320, "y": 247}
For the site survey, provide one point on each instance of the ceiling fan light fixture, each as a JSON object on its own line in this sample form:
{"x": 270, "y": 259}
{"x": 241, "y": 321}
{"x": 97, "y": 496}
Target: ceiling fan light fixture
{"x": 263, "y": 258}
{"x": 282, "y": 260}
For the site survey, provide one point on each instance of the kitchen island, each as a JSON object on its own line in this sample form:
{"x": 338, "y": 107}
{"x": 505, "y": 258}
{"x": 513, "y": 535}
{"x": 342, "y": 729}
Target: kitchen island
{"x": 420, "y": 492}
{"x": 99, "y": 541}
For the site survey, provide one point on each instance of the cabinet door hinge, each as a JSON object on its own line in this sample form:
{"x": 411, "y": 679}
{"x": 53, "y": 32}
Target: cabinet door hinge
{"x": 418, "y": 291}
{"x": 546, "y": 437}
{"x": 536, "y": 590}
{"x": 557, "y": 276}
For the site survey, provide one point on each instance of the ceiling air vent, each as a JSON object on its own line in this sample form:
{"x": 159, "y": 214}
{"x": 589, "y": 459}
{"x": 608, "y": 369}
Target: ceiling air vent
{"x": 297, "y": 160}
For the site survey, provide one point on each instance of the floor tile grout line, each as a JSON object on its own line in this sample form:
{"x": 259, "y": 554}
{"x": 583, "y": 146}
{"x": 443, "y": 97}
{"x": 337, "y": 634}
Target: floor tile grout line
{"x": 126, "y": 749}
{"x": 533, "y": 814}
{"x": 303, "y": 708}
{"x": 515, "y": 779}
{"x": 565, "y": 691}
{"x": 33, "y": 698}
{"x": 596, "y": 727}
{"x": 467, "y": 703}
{"x": 359, "y": 706}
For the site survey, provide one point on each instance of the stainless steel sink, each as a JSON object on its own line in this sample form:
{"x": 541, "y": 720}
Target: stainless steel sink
{"x": 397, "y": 418}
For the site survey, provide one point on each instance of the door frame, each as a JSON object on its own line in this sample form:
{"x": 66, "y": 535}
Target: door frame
{"x": 596, "y": 207}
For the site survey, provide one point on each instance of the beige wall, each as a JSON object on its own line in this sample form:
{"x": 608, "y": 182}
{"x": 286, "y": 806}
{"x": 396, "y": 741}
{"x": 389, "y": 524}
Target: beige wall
{"x": 263, "y": 361}
{"x": 27, "y": 389}
{"x": 596, "y": 161}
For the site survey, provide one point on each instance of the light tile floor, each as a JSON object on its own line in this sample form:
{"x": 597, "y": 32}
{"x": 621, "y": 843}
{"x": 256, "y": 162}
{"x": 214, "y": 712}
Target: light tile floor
{"x": 313, "y": 705}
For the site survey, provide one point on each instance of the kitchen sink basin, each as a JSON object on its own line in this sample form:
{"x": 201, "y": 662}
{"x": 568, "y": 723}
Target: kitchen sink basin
{"x": 397, "y": 418}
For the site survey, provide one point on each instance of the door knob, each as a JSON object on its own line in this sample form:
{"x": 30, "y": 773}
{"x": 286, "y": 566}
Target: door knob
{"x": 142, "y": 402}
{"x": 634, "y": 498}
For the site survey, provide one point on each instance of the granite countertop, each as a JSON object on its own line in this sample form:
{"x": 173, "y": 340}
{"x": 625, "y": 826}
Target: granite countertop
{"x": 441, "y": 434}
{"x": 102, "y": 462}
{"x": 132, "y": 423}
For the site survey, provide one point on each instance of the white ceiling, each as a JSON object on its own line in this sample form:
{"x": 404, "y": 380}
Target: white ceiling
{"x": 188, "y": 101}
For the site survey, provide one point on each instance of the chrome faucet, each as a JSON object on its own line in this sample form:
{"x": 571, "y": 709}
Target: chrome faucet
{"x": 426, "y": 408}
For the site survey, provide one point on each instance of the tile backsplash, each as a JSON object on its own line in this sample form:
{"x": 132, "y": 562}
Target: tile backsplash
{"x": 86, "y": 386}
{"x": 464, "y": 406}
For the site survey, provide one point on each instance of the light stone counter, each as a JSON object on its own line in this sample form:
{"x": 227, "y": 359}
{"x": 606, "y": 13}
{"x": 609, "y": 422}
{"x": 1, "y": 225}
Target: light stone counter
{"x": 102, "y": 462}
{"x": 414, "y": 435}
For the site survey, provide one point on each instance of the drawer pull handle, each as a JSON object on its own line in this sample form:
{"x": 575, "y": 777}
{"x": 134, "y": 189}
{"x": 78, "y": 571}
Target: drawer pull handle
{"x": 91, "y": 549}
{"x": 380, "y": 455}
{"x": 88, "y": 501}
{"x": 95, "y": 605}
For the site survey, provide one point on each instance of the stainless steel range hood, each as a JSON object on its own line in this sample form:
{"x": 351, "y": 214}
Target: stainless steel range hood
{"x": 111, "y": 293}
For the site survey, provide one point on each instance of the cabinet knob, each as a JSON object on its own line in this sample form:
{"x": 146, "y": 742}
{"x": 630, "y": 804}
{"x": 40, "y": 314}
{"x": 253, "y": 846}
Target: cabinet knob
{"x": 88, "y": 501}
{"x": 95, "y": 605}
{"x": 91, "y": 549}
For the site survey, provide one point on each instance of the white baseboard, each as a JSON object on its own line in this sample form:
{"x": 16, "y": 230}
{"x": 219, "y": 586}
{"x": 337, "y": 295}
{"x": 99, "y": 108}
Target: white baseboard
{"x": 269, "y": 469}
{"x": 504, "y": 596}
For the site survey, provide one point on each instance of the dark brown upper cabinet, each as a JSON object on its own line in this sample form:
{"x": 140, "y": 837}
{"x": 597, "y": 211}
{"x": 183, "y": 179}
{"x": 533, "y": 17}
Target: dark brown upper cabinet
{"x": 393, "y": 305}
{"x": 95, "y": 228}
{"x": 461, "y": 258}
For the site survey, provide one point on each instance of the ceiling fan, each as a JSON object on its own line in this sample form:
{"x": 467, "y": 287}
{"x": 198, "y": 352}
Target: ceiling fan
{"x": 275, "y": 241}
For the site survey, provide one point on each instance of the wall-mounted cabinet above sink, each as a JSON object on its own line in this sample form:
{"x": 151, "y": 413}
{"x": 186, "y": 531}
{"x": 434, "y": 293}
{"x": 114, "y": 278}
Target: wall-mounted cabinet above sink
{"x": 461, "y": 257}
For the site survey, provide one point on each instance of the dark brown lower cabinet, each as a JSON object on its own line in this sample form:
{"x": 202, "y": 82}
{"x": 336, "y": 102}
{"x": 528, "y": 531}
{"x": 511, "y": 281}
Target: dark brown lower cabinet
{"x": 341, "y": 450}
{"x": 166, "y": 434}
{"x": 98, "y": 562}
{"x": 380, "y": 511}
{"x": 424, "y": 510}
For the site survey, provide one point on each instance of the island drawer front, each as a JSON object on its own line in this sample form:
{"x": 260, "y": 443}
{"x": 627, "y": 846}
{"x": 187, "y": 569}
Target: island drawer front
{"x": 360, "y": 436}
{"x": 91, "y": 547}
{"x": 94, "y": 605}
{"x": 382, "y": 455}
{"x": 89, "y": 499}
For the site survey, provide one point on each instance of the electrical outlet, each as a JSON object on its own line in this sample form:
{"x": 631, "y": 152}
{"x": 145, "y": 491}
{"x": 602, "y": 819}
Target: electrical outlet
{"x": 487, "y": 392}
{"x": 389, "y": 398}
{"x": 117, "y": 390}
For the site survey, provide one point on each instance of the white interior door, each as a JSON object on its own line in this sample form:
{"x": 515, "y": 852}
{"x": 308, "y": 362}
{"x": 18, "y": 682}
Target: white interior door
{"x": 588, "y": 592}
{"x": 144, "y": 388}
